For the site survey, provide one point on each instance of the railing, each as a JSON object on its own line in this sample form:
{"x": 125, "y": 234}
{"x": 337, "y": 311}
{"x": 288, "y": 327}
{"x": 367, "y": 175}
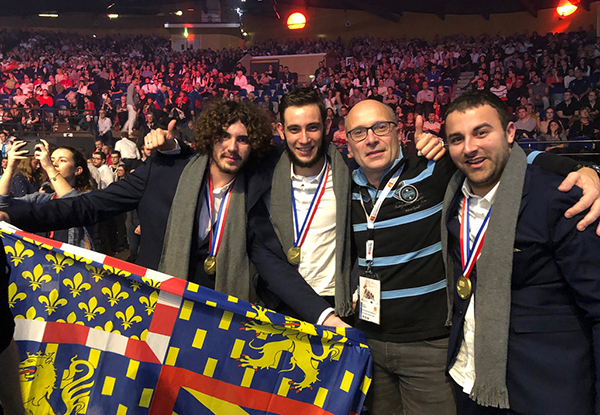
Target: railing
{"x": 44, "y": 120}
{"x": 578, "y": 147}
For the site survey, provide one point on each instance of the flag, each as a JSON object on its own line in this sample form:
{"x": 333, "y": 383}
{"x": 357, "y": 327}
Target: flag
{"x": 97, "y": 335}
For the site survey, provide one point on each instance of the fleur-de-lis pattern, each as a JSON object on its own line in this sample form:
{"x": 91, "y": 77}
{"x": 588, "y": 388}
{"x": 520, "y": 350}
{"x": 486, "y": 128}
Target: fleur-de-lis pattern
{"x": 150, "y": 302}
{"x": 40, "y": 245}
{"x": 37, "y": 278}
{"x": 71, "y": 289}
{"x": 14, "y": 296}
{"x": 71, "y": 318}
{"x": 52, "y": 301}
{"x": 115, "y": 294}
{"x": 78, "y": 258}
{"x": 91, "y": 308}
{"x": 31, "y": 314}
{"x": 18, "y": 253}
{"x": 97, "y": 273}
{"x": 128, "y": 318}
{"x": 151, "y": 283}
{"x": 76, "y": 285}
{"x": 108, "y": 327}
{"x": 60, "y": 262}
{"x": 135, "y": 285}
{"x": 116, "y": 271}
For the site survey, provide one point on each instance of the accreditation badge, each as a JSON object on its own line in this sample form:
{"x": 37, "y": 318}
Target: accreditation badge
{"x": 369, "y": 293}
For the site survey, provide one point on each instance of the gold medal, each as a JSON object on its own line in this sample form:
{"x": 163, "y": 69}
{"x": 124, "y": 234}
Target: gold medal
{"x": 210, "y": 265}
{"x": 463, "y": 287}
{"x": 293, "y": 255}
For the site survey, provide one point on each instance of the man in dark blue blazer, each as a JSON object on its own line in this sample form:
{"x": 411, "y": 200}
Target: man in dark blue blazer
{"x": 170, "y": 192}
{"x": 523, "y": 282}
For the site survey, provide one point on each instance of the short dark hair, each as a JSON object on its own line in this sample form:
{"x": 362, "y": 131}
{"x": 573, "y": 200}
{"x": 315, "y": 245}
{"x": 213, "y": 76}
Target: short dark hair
{"x": 301, "y": 97}
{"x": 476, "y": 99}
{"x": 101, "y": 154}
{"x": 117, "y": 152}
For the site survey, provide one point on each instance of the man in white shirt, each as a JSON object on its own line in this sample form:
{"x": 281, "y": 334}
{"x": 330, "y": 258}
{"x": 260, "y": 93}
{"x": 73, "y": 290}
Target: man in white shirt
{"x": 104, "y": 128}
{"x": 498, "y": 89}
{"x": 432, "y": 124}
{"x": 317, "y": 201}
{"x": 106, "y": 175}
{"x": 127, "y": 147}
{"x": 149, "y": 87}
{"x": 522, "y": 280}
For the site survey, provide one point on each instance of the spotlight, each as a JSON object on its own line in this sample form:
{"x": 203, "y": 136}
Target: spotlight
{"x": 179, "y": 13}
{"x": 296, "y": 21}
{"x": 566, "y": 9}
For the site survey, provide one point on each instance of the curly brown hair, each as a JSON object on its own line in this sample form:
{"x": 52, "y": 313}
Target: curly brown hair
{"x": 220, "y": 114}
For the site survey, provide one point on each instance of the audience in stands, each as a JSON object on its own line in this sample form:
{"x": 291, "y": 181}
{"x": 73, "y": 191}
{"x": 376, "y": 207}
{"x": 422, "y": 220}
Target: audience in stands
{"x": 134, "y": 84}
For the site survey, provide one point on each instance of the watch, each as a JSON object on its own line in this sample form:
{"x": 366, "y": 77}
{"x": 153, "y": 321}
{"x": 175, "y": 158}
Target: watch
{"x": 595, "y": 167}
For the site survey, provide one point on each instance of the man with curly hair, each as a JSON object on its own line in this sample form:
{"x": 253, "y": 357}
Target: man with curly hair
{"x": 202, "y": 215}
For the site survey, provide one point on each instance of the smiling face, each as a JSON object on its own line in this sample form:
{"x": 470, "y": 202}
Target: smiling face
{"x": 479, "y": 146}
{"x": 375, "y": 154}
{"x": 303, "y": 132}
{"x": 232, "y": 149}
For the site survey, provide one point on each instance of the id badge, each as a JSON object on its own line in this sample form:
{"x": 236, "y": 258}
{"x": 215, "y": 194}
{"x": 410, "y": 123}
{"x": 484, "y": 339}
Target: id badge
{"x": 369, "y": 292}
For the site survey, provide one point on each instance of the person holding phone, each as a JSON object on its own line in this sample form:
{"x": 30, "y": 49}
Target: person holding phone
{"x": 68, "y": 175}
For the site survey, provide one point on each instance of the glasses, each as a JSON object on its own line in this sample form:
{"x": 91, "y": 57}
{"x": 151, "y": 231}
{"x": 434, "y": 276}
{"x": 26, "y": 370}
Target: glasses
{"x": 380, "y": 129}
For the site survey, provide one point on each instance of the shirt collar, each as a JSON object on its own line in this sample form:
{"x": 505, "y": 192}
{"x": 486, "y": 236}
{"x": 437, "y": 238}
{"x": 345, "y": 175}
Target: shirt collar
{"x": 360, "y": 178}
{"x": 309, "y": 179}
{"x": 489, "y": 197}
{"x": 221, "y": 190}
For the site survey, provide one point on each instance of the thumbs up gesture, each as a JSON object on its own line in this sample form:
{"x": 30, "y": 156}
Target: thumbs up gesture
{"x": 160, "y": 139}
{"x": 428, "y": 144}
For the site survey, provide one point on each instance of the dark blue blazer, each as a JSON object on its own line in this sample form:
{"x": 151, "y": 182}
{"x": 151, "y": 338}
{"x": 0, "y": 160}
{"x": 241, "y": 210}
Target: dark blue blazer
{"x": 150, "y": 190}
{"x": 554, "y": 332}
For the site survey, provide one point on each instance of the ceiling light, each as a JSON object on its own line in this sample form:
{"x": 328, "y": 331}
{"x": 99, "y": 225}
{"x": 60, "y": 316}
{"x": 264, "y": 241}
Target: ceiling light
{"x": 566, "y": 9}
{"x": 296, "y": 21}
{"x": 48, "y": 15}
{"x": 112, "y": 16}
{"x": 179, "y": 13}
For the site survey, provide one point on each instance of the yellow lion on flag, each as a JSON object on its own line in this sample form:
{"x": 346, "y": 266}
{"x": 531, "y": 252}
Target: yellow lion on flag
{"x": 296, "y": 341}
{"x": 38, "y": 377}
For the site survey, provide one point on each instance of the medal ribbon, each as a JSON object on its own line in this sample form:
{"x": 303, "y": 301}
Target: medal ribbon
{"x": 373, "y": 216}
{"x": 470, "y": 253}
{"x": 216, "y": 234}
{"x": 300, "y": 233}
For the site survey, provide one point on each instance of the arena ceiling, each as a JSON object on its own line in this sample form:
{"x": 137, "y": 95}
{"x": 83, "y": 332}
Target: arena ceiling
{"x": 390, "y": 9}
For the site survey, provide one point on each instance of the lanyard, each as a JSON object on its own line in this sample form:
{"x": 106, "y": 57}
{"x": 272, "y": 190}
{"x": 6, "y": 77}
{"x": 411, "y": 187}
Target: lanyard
{"x": 373, "y": 216}
{"x": 217, "y": 233}
{"x": 470, "y": 253}
{"x": 300, "y": 233}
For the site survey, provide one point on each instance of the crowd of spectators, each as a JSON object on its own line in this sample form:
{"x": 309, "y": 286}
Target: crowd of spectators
{"x": 49, "y": 77}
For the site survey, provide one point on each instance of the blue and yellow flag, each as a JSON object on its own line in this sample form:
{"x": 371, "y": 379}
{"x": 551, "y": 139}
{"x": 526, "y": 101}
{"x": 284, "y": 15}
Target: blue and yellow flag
{"x": 101, "y": 336}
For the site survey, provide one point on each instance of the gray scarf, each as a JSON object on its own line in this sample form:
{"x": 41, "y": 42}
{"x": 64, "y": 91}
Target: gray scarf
{"x": 233, "y": 268}
{"x": 282, "y": 218}
{"x": 494, "y": 275}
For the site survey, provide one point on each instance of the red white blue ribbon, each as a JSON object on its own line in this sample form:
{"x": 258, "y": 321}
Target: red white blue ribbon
{"x": 469, "y": 253}
{"x": 300, "y": 233}
{"x": 216, "y": 234}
